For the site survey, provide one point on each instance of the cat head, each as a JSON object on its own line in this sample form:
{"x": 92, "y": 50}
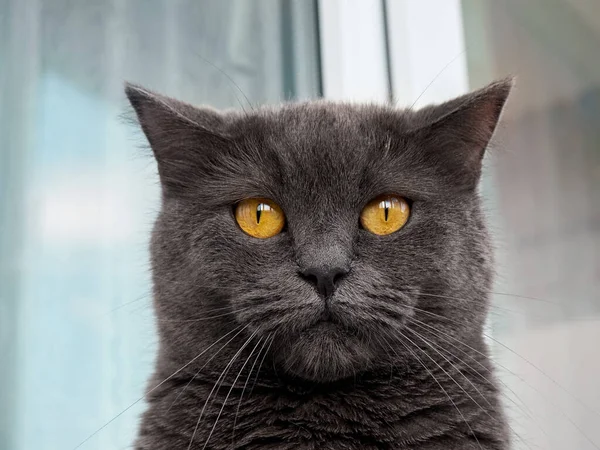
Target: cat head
{"x": 328, "y": 288}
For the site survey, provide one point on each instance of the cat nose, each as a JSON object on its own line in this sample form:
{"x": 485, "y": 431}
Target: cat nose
{"x": 324, "y": 279}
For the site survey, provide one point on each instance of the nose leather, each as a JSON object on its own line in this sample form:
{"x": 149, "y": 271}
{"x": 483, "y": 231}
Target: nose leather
{"x": 324, "y": 278}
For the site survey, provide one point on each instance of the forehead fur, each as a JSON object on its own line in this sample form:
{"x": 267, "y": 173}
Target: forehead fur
{"x": 339, "y": 140}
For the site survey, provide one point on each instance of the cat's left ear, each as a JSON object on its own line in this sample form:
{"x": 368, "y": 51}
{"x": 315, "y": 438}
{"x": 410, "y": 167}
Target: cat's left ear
{"x": 456, "y": 134}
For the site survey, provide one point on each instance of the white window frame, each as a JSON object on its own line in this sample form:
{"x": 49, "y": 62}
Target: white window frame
{"x": 428, "y": 61}
{"x": 377, "y": 50}
{"x": 353, "y": 50}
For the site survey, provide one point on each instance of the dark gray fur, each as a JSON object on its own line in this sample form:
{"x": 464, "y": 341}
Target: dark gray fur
{"x": 353, "y": 378}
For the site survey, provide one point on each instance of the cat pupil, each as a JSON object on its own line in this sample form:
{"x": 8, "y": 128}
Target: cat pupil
{"x": 259, "y": 209}
{"x": 386, "y": 209}
{"x": 258, "y": 212}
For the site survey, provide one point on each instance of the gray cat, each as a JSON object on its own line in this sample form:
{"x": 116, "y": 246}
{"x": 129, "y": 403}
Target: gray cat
{"x": 321, "y": 276}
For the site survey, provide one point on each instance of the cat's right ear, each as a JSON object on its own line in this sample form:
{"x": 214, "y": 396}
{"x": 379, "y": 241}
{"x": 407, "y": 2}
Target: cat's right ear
{"x": 182, "y": 137}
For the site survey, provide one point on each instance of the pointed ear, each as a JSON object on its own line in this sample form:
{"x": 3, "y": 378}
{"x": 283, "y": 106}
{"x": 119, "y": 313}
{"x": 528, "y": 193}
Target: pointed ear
{"x": 182, "y": 137}
{"x": 456, "y": 134}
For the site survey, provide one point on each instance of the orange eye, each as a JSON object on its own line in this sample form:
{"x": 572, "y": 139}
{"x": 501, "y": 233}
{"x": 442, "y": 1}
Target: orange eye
{"x": 385, "y": 214}
{"x": 259, "y": 217}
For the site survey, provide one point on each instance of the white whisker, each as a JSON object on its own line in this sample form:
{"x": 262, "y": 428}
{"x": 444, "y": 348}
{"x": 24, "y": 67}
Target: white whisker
{"x": 215, "y": 386}
{"x": 229, "y": 393}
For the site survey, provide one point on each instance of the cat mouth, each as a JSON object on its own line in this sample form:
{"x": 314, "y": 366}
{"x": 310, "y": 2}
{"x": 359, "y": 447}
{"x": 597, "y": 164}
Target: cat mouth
{"x": 331, "y": 325}
{"x": 327, "y": 316}
{"x": 327, "y": 319}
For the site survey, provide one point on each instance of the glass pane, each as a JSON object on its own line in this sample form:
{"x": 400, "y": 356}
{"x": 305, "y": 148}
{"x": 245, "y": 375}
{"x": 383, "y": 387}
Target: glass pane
{"x": 545, "y": 184}
{"x": 78, "y": 192}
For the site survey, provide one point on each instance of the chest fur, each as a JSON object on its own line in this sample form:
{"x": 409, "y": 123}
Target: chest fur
{"x": 381, "y": 416}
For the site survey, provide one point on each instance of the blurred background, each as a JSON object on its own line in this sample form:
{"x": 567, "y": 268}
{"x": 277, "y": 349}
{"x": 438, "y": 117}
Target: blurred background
{"x": 78, "y": 196}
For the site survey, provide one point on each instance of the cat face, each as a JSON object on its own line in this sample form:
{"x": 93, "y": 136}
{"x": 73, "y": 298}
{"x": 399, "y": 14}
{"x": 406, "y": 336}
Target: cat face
{"x": 328, "y": 292}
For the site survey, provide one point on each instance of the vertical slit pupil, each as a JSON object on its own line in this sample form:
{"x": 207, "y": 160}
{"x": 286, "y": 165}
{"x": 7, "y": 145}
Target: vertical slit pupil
{"x": 259, "y": 210}
{"x": 386, "y": 210}
{"x": 258, "y": 213}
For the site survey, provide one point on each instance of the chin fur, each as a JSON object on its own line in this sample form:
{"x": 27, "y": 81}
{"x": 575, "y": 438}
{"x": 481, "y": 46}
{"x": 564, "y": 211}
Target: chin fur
{"x": 325, "y": 353}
